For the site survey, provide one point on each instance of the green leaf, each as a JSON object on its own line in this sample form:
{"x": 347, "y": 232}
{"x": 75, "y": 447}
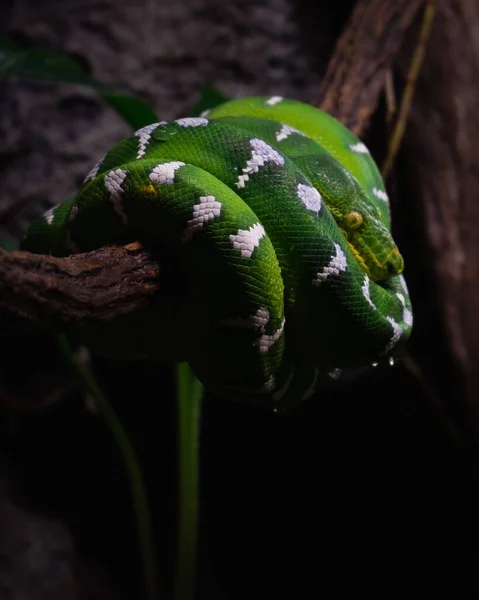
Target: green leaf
{"x": 190, "y": 389}
{"x": 210, "y": 97}
{"x": 54, "y": 67}
{"x": 189, "y": 393}
{"x": 133, "y": 110}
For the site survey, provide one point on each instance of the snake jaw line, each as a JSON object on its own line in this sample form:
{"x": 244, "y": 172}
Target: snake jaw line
{"x": 360, "y": 260}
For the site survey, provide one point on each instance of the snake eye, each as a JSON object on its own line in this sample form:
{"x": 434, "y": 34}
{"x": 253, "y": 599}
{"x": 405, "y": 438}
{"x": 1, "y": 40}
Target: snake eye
{"x": 353, "y": 220}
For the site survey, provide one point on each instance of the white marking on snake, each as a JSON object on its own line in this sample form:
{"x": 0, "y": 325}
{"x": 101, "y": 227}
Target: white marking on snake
{"x": 261, "y": 318}
{"x": 94, "y": 170}
{"x": 407, "y": 314}
{"x": 257, "y": 321}
{"x": 403, "y": 283}
{"x": 381, "y": 194}
{"x": 360, "y": 148}
{"x": 407, "y": 317}
{"x": 366, "y": 293}
{"x": 192, "y": 122}
{"x": 310, "y": 197}
{"x": 285, "y": 132}
{"x": 206, "y": 210}
{"x": 113, "y": 182}
{"x": 273, "y": 100}
{"x": 50, "y": 214}
{"x": 266, "y": 340}
{"x": 270, "y": 384}
{"x": 165, "y": 173}
{"x": 246, "y": 240}
{"x": 282, "y": 391}
{"x": 205, "y": 113}
{"x": 396, "y": 336}
{"x": 149, "y": 128}
{"x": 261, "y": 154}
{"x": 144, "y": 136}
{"x": 336, "y": 265}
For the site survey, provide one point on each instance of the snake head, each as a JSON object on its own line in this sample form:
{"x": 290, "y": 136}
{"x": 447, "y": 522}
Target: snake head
{"x": 372, "y": 244}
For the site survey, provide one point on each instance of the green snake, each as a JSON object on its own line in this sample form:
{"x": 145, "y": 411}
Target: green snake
{"x": 279, "y": 222}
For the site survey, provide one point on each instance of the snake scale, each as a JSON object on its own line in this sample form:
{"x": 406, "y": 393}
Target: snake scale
{"x": 280, "y": 223}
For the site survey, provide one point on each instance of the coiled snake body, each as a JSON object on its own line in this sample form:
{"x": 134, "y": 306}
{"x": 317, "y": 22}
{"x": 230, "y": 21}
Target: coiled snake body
{"x": 280, "y": 222}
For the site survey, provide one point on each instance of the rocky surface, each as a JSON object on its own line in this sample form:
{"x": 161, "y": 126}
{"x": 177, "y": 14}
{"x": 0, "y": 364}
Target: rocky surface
{"x": 163, "y": 52}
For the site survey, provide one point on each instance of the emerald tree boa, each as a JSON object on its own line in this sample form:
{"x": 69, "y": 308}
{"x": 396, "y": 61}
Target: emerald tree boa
{"x": 279, "y": 222}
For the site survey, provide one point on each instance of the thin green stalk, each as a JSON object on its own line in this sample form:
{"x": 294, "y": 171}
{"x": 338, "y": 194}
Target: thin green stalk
{"x": 189, "y": 392}
{"x": 137, "y": 485}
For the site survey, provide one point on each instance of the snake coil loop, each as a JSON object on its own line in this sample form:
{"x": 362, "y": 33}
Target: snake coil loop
{"x": 280, "y": 222}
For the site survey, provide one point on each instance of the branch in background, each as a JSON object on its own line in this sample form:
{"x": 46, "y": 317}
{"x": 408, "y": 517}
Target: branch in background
{"x": 440, "y": 190}
{"x": 364, "y": 53}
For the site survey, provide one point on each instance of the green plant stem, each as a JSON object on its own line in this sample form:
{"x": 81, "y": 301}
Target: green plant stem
{"x": 132, "y": 467}
{"x": 189, "y": 392}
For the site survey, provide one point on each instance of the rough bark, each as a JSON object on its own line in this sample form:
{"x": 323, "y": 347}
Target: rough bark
{"x": 85, "y": 288}
{"x": 364, "y": 53}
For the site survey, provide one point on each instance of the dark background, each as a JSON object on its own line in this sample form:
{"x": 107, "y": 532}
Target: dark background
{"x": 371, "y": 486}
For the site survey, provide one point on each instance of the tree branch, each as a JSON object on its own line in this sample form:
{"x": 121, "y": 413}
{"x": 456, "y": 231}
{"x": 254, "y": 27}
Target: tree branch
{"x": 364, "y": 53}
{"x": 94, "y": 287}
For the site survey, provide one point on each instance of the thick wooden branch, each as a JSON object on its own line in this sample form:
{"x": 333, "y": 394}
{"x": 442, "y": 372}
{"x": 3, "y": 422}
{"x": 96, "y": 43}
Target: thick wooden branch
{"x": 95, "y": 287}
